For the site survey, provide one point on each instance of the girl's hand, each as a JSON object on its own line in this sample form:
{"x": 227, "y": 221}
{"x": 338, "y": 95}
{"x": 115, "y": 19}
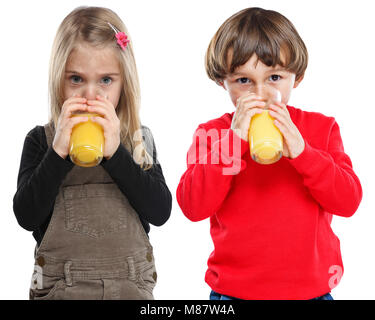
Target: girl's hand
{"x": 65, "y": 124}
{"x": 110, "y": 123}
{"x": 247, "y": 106}
{"x": 293, "y": 143}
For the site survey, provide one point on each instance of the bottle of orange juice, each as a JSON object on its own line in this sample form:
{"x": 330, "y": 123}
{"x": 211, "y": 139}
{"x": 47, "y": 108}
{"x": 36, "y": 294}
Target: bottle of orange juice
{"x": 86, "y": 142}
{"x": 265, "y": 139}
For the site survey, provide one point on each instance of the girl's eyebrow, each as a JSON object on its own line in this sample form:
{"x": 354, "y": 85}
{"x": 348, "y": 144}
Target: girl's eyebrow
{"x": 103, "y": 74}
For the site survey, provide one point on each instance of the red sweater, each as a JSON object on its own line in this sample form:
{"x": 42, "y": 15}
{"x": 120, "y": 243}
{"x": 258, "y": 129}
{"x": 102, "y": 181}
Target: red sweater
{"x": 270, "y": 224}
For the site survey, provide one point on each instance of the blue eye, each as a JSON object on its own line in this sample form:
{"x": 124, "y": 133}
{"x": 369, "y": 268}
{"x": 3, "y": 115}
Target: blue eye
{"x": 107, "y": 82}
{"x": 243, "y": 80}
{"x": 75, "y": 78}
{"x": 275, "y": 77}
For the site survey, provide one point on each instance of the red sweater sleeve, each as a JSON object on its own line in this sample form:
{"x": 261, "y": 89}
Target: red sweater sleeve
{"x": 207, "y": 180}
{"x": 329, "y": 176}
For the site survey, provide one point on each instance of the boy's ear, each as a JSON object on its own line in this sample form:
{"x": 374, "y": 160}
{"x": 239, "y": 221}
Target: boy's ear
{"x": 297, "y": 82}
{"x": 221, "y": 84}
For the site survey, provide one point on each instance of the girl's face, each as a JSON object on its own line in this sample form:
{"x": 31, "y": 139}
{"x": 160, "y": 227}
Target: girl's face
{"x": 253, "y": 75}
{"x": 90, "y": 72}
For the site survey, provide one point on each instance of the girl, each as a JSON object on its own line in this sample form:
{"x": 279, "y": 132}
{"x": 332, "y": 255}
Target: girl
{"x": 91, "y": 224}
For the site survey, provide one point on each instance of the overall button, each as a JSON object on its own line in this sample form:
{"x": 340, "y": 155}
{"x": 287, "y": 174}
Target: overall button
{"x": 154, "y": 276}
{"x": 149, "y": 256}
{"x": 41, "y": 261}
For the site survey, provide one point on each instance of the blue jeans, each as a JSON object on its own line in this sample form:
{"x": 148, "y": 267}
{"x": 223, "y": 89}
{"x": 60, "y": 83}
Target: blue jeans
{"x": 217, "y": 296}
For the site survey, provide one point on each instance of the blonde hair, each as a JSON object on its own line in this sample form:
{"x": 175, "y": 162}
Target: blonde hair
{"x": 90, "y": 24}
{"x": 259, "y": 31}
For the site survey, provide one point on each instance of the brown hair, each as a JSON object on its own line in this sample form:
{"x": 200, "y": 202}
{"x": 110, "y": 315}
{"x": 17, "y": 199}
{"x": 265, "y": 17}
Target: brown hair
{"x": 89, "y": 24}
{"x": 259, "y": 31}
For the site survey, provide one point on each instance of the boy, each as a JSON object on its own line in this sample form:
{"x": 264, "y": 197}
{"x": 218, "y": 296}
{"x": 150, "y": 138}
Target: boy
{"x": 270, "y": 224}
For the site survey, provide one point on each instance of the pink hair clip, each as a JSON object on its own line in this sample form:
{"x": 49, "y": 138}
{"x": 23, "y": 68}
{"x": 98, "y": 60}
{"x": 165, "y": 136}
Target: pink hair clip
{"x": 122, "y": 38}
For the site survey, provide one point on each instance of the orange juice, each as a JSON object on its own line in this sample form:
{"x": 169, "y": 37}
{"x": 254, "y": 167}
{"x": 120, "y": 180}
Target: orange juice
{"x": 86, "y": 142}
{"x": 265, "y": 139}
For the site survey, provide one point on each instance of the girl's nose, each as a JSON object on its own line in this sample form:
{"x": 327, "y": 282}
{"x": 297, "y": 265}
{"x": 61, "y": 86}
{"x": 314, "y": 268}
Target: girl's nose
{"x": 90, "y": 92}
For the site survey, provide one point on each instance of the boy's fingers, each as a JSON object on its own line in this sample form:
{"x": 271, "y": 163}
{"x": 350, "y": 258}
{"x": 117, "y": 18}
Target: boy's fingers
{"x": 254, "y": 111}
{"x": 248, "y": 97}
{"x": 254, "y": 104}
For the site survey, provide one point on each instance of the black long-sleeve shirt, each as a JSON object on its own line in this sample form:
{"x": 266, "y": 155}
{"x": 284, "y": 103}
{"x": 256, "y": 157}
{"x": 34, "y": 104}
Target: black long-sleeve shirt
{"x": 42, "y": 171}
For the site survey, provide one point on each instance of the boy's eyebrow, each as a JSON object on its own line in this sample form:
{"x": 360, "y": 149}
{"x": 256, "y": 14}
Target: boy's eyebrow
{"x": 277, "y": 70}
{"x": 103, "y": 74}
{"x": 268, "y": 71}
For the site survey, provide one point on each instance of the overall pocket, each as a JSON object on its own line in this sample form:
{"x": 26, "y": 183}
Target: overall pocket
{"x": 147, "y": 277}
{"x": 143, "y": 270}
{"x": 95, "y": 210}
{"x": 48, "y": 288}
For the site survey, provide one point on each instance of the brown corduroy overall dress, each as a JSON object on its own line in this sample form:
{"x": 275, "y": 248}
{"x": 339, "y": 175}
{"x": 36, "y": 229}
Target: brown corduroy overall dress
{"x": 95, "y": 246}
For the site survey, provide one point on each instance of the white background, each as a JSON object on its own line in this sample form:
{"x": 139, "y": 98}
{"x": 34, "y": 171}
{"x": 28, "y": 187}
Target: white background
{"x": 170, "y": 39}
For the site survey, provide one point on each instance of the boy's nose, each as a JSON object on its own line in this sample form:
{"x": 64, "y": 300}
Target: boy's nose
{"x": 259, "y": 91}
{"x": 263, "y": 91}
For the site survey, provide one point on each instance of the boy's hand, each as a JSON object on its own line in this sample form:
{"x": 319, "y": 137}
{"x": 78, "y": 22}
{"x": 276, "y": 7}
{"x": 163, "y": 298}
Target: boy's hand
{"x": 293, "y": 143}
{"x": 247, "y": 106}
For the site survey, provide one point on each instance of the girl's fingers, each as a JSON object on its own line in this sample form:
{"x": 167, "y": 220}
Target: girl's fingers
{"x": 103, "y": 122}
{"x": 97, "y": 103}
{"x": 102, "y": 98}
{"x": 72, "y": 100}
{"x": 75, "y": 99}
{"x": 104, "y": 103}
{"x": 75, "y": 120}
{"x": 108, "y": 114}
{"x": 100, "y": 110}
{"x": 74, "y": 107}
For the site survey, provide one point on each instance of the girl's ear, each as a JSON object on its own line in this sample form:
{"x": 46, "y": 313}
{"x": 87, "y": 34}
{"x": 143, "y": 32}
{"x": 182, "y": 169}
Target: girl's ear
{"x": 297, "y": 82}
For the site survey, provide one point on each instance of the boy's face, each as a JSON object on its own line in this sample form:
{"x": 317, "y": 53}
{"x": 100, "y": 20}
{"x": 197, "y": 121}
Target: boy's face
{"x": 252, "y": 75}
